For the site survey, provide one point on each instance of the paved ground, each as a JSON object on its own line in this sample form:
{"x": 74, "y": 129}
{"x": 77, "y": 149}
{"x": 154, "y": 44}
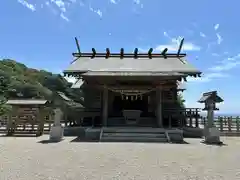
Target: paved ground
{"x": 26, "y": 159}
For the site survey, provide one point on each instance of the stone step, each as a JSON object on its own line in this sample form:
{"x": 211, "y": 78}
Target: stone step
{"x": 134, "y": 130}
{"x": 133, "y": 139}
{"x": 156, "y": 135}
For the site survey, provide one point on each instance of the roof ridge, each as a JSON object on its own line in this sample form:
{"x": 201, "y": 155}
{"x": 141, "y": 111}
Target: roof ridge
{"x": 129, "y": 55}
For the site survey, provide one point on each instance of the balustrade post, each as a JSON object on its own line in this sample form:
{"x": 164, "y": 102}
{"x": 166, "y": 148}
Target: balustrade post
{"x": 221, "y": 123}
{"x": 229, "y": 123}
{"x": 237, "y": 123}
{"x": 204, "y": 121}
{"x": 196, "y": 122}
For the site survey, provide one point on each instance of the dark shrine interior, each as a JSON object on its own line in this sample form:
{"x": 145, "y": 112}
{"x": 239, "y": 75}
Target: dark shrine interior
{"x": 130, "y": 103}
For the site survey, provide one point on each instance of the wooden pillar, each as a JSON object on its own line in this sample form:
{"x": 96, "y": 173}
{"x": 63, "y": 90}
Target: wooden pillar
{"x": 159, "y": 107}
{"x": 105, "y": 107}
{"x": 40, "y": 121}
{"x": 170, "y": 121}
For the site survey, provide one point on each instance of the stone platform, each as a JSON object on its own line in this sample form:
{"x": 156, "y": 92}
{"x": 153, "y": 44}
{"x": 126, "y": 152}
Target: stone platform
{"x": 126, "y": 134}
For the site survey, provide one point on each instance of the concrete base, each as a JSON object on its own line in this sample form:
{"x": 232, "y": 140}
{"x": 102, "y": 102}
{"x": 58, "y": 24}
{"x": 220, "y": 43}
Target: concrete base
{"x": 175, "y": 135}
{"x": 56, "y": 133}
{"x": 212, "y": 135}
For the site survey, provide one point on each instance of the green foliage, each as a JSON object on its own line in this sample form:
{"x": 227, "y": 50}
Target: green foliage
{"x": 181, "y": 101}
{"x": 19, "y": 81}
{"x": 3, "y": 107}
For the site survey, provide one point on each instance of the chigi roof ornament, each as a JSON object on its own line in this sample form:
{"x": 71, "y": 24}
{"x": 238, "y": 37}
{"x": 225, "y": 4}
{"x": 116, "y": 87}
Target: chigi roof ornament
{"x": 135, "y": 54}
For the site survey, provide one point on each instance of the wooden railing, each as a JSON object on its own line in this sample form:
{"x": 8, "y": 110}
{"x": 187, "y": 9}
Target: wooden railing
{"x": 26, "y": 127}
{"x": 228, "y": 125}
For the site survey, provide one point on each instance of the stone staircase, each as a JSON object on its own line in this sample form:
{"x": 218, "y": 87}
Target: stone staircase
{"x": 131, "y": 134}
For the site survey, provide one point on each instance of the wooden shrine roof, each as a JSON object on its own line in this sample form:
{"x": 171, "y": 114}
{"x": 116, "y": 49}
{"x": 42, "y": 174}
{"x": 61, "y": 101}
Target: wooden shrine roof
{"x": 77, "y": 84}
{"x": 210, "y": 95}
{"x": 68, "y": 101}
{"x": 26, "y": 102}
{"x": 157, "y": 63}
{"x": 132, "y": 73}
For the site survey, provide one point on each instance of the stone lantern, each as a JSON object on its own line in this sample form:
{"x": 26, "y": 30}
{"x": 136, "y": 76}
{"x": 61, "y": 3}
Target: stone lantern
{"x": 211, "y": 133}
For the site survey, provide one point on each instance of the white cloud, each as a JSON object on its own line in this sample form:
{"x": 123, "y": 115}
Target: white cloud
{"x": 202, "y": 34}
{"x": 27, "y": 5}
{"x": 97, "y": 11}
{"x": 209, "y": 45}
{"x": 113, "y": 1}
{"x": 216, "y": 26}
{"x": 174, "y": 45}
{"x": 137, "y": 2}
{"x": 208, "y": 77}
{"x": 59, "y": 7}
{"x": 227, "y": 64}
{"x": 219, "y": 38}
{"x": 189, "y": 103}
{"x": 218, "y": 71}
{"x": 60, "y": 4}
{"x": 166, "y": 35}
{"x": 64, "y": 17}
{"x": 215, "y": 54}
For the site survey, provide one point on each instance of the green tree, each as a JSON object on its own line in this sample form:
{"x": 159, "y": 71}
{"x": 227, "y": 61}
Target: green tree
{"x": 19, "y": 81}
{"x": 3, "y": 107}
{"x": 180, "y": 101}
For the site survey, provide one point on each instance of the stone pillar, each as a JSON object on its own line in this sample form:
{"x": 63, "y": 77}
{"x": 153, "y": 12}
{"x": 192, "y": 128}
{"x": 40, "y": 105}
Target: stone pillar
{"x": 58, "y": 115}
{"x": 105, "y": 107}
{"x": 210, "y": 115}
{"x": 212, "y": 134}
{"x": 159, "y": 107}
{"x": 56, "y": 132}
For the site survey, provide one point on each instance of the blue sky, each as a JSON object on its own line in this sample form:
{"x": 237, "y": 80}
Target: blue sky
{"x": 40, "y": 33}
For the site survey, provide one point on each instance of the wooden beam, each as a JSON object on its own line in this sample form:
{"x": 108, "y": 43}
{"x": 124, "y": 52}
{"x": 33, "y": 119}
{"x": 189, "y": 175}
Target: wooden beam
{"x": 150, "y": 53}
{"x": 78, "y": 47}
{"x": 93, "y": 52}
{"x": 180, "y": 47}
{"x": 163, "y": 53}
{"x": 107, "y": 52}
{"x": 135, "y": 52}
{"x": 121, "y": 53}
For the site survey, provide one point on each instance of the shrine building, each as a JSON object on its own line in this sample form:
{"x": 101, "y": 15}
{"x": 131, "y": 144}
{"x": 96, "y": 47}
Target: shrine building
{"x": 133, "y": 89}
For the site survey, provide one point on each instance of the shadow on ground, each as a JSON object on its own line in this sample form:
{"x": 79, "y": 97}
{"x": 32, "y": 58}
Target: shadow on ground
{"x": 48, "y": 141}
{"x": 183, "y": 142}
{"x": 81, "y": 139}
{"x": 214, "y": 144}
{"x": 19, "y": 135}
